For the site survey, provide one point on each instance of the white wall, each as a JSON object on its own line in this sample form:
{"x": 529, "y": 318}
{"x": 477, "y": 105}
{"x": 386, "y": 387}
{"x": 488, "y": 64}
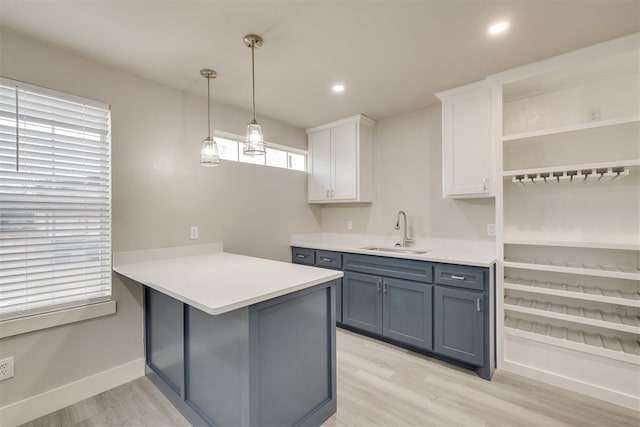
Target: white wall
{"x": 159, "y": 190}
{"x": 408, "y": 176}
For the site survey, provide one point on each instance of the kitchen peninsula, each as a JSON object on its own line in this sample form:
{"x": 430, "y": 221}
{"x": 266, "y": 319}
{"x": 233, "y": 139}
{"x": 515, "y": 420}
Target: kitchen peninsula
{"x": 237, "y": 340}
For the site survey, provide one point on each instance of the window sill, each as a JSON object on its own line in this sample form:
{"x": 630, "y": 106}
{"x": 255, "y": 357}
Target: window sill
{"x": 22, "y": 325}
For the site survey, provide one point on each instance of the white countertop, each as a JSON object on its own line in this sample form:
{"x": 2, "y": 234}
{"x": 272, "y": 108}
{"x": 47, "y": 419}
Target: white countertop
{"x": 217, "y": 282}
{"x": 466, "y": 252}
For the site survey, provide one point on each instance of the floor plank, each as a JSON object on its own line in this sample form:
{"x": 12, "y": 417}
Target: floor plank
{"x": 382, "y": 385}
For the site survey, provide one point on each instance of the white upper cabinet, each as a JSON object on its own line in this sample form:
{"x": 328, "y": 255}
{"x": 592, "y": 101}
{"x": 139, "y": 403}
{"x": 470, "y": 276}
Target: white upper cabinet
{"x": 467, "y": 143}
{"x": 340, "y": 161}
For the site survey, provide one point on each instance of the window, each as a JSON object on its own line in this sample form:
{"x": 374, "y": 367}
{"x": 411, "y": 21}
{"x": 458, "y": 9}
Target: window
{"x": 55, "y": 200}
{"x": 276, "y": 156}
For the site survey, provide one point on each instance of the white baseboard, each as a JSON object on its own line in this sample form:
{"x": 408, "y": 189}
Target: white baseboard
{"x": 50, "y": 401}
{"x": 617, "y": 398}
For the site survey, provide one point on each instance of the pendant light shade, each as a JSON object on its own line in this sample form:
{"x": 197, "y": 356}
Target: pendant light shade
{"x": 209, "y": 151}
{"x": 254, "y": 141}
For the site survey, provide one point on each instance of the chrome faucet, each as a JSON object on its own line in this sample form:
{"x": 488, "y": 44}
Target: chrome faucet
{"x": 406, "y": 240}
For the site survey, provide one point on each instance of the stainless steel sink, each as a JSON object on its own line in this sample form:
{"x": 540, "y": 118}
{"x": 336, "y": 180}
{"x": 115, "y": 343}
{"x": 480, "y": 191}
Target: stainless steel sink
{"x": 395, "y": 250}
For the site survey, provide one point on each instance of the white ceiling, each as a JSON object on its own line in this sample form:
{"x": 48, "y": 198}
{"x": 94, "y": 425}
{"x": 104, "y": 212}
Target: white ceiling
{"x": 392, "y": 56}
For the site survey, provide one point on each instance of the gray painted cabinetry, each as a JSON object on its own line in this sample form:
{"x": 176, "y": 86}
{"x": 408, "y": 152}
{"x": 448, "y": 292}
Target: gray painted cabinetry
{"x": 270, "y": 364}
{"x": 323, "y": 259}
{"x": 436, "y": 308}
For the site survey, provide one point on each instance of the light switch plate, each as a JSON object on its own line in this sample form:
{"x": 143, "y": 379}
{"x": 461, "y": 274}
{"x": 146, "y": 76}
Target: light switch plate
{"x": 194, "y": 232}
{"x": 491, "y": 229}
{"x": 350, "y": 225}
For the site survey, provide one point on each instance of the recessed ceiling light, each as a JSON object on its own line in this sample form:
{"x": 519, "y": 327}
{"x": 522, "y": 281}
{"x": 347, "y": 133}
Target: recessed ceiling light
{"x": 338, "y": 88}
{"x": 499, "y": 27}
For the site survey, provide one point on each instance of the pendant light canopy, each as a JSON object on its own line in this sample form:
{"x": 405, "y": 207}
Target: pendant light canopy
{"x": 254, "y": 141}
{"x": 209, "y": 152}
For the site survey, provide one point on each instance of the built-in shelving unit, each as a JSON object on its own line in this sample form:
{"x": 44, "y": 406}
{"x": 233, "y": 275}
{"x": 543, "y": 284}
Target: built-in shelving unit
{"x": 574, "y": 244}
{"x": 568, "y": 220}
{"x": 612, "y": 271}
{"x": 610, "y": 347}
{"x": 573, "y": 128}
{"x": 574, "y": 313}
{"x": 580, "y": 292}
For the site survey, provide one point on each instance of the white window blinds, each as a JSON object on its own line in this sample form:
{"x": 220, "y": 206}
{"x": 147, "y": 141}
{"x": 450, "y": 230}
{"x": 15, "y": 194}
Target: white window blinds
{"x": 55, "y": 200}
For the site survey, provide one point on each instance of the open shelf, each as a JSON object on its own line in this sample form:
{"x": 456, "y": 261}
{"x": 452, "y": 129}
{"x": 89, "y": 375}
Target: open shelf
{"x": 574, "y": 291}
{"x": 574, "y": 244}
{"x": 573, "y": 128}
{"x": 581, "y": 315}
{"x": 612, "y": 271}
{"x": 601, "y": 345}
{"x": 631, "y": 163}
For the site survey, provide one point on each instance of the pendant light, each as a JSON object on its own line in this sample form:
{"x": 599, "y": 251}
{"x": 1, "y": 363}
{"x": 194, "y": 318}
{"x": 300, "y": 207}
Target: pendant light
{"x": 209, "y": 152}
{"x": 254, "y": 142}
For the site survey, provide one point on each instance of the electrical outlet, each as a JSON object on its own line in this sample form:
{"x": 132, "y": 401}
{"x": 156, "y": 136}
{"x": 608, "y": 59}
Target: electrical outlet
{"x": 350, "y": 225}
{"x": 194, "y": 232}
{"x": 491, "y": 229}
{"x": 593, "y": 115}
{"x": 6, "y": 368}
{"x": 621, "y": 310}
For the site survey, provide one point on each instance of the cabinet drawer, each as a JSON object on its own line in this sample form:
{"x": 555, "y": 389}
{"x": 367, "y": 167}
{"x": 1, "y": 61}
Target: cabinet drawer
{"x": 303, "y": 256}
{"x": 461, "y": 276}
{"x": 328, "y": 259}
{"x": 419, "y": 271}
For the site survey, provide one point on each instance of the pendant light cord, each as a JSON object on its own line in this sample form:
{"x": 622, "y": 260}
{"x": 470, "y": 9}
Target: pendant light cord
{"x": 209, "y": 106}
{"x": 253, "y": 80}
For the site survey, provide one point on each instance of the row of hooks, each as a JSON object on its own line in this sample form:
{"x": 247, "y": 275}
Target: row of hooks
{"x": 581, "y": 175}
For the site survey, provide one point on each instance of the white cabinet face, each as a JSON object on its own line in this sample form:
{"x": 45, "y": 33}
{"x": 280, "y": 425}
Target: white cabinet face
{"x": 345, "y": 161}
{"x": 467, "y": 144}
{"x": 320, "y": 165}
{"x": 341, "y": 161}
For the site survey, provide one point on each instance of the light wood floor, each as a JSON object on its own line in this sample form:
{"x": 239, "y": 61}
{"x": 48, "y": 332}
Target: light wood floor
{"x": 382, "y": 385}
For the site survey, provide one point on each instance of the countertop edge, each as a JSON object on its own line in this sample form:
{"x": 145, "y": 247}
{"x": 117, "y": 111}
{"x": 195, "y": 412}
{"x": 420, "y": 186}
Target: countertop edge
{"x": 330, "y": 275}
{"x": 425, "y": 257}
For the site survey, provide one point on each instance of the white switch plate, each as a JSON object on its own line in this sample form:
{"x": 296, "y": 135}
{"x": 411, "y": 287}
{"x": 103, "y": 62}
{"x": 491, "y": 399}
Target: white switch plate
{"x": 491, "y": 229}
{"x": 350, "y": 225}
{"x": 6, "y": 368}
{"x": 194, "y": 232}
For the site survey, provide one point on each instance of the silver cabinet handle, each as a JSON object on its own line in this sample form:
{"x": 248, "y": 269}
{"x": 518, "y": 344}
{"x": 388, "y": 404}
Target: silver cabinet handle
{"x": 379, "y": 284}
{"x": 454, "y": 277}
{"x": 327, "y": 259}
{"x": 301, "y": 256}
{"x": 385, "y": 287}
{"x": 331, "y": 192}
{"x": 478, "y": 304}
{"x": 328, "y": 196}
{"x": 485, "y": 183}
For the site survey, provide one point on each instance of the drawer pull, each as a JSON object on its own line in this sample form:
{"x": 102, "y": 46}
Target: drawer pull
{"x": 301, "y": 256}
{"x": 327, "y": 259}
{"x": 454, "y": 277}
{"x": 379, "y": 284}
{"x": 385, "y": 287}
{"x": 478, "y": 304}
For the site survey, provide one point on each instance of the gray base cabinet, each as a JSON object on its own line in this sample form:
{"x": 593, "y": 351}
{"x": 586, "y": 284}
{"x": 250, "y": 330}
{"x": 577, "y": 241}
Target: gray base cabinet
{"x": 441, "y": 308}
{"x": 362, "y": 301}
{"x": 459, "y": 324}
{"x": 407, "y": 312}
{"x": 394, "y": 308}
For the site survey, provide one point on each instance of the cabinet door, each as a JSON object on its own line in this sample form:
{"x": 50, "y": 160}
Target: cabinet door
{"x": 467, "y": 145}
{"x": 319, "y": 181}
{"x": 407, "y": 311}
{"x": 459, "y": 324}
{"x": 362, "y": 301}
{"x": 344, "y": 141}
